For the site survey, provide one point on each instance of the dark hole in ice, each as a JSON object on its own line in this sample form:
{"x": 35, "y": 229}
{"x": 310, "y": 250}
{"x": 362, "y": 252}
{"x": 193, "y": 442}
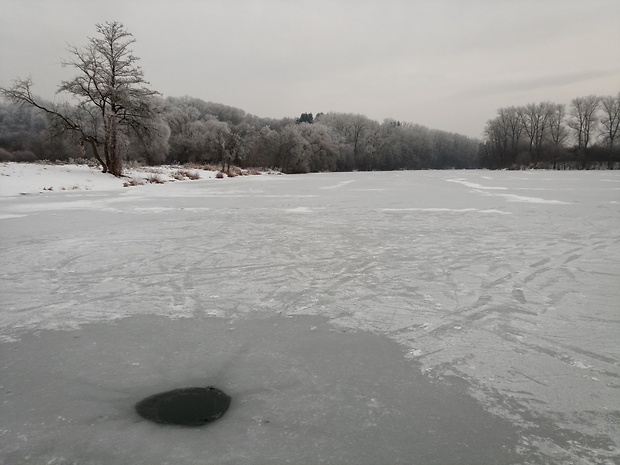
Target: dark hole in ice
{"x": 193, "y": 406}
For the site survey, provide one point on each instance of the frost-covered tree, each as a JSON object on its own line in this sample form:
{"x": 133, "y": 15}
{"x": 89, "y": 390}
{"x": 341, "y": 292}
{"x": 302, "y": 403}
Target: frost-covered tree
{"x": 323, "y": 144}
{"x": 224, "y": 145}
{"x": 154, "y": 148}
{"x": 360, "y": 134}
{"x": 292, "y": 150}
{"x": 112, "y": 94}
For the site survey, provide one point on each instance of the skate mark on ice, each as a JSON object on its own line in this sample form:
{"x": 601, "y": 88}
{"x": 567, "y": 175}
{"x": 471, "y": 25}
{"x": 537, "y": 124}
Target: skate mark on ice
{"x": 544, "y": 261}
{"x": 497, "y": 282}
{"x": 580, "y": 351}
{"x": 571, "y": 258}
{"x": 515, "y": 372}
{"x": 535, "y": 274}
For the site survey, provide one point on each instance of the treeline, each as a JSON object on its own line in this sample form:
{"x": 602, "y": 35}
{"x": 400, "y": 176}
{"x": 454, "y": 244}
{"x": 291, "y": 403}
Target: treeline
{"x": 547, "y": 135}
{"x": 190, "y": 130}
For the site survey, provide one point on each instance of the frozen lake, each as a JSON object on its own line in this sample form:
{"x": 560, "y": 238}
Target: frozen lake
{"x": 451, "y": 317}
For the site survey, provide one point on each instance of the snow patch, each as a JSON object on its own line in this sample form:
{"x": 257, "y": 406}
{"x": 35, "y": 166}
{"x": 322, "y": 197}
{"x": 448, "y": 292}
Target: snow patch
{"x": 299, "y": 210}
{"x": 524, "y": 199}
{"x": 474, "y": 185}
{"x": 338, "y": 186}
{"x": 509, "y": 197}
{"x": 446, "y": 210}
{"x": 37, "y": 178}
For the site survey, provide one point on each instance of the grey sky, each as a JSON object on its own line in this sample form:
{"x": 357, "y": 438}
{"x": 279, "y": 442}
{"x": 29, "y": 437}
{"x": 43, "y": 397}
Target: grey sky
{"x": 446, "y": 64}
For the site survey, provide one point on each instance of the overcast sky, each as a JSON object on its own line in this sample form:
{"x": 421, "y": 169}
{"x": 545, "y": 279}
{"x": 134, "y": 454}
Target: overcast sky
{"x": 446, "y": 64}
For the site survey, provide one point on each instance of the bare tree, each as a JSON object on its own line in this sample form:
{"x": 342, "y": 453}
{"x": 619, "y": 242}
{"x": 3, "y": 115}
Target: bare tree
{"x": 512, "y": 123}
{"x": 583, "y": 118}
{"x": 534, "y": 119}
{"x": 557, "y": 129}
{"x": 503, "y": 135}
{"x": 610, "y": 121}
{"x": 111, "y": 92}
{"x": 558, "y": 132}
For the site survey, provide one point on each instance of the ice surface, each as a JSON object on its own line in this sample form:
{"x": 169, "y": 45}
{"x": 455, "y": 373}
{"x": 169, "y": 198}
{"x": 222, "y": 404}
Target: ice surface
{"x": 414, "y": 317}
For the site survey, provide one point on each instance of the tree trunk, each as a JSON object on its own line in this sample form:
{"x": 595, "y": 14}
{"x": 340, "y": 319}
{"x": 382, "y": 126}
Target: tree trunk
{"x": 104, "y": 166}
{"x": 112, "y": 154}
{"x": 115, "y": 154}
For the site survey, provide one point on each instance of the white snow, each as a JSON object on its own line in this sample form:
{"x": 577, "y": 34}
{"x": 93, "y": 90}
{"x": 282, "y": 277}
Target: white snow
{"x": 479, "y": 188}
{"x": 32, "y": 178}
{"x": 446, "y": 210}
{"x": 298, "y": 210}
{"x": 420, "y": 317}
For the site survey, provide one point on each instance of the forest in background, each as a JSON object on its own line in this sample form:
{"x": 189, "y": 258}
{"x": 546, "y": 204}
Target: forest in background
{"x": 548, "y": 135}
{"x": 190, "y": 130}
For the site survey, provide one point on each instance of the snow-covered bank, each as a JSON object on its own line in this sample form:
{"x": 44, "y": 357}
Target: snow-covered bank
{"x": 32, "y": 178}
{"x": 499, "y": 287}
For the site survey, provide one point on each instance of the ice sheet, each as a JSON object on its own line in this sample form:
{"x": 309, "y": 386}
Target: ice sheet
{"x": 516, "y": 299}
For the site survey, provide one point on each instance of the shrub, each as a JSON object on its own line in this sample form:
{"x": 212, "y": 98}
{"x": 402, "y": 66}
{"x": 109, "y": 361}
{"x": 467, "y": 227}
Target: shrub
{"x": 155, "y": 179}
{"x": 193, "y": 175}
{"x": 209, "y": 167}
{"x": 179, "y": 175}
{"x": 24, "y": 156}
{"x": 235, "y": 171}
{"x": 5, "y": 155}
{"x": 133, "y": 182}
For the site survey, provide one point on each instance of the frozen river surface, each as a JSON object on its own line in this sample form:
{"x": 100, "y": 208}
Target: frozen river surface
{"x": 454, "y": 317}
